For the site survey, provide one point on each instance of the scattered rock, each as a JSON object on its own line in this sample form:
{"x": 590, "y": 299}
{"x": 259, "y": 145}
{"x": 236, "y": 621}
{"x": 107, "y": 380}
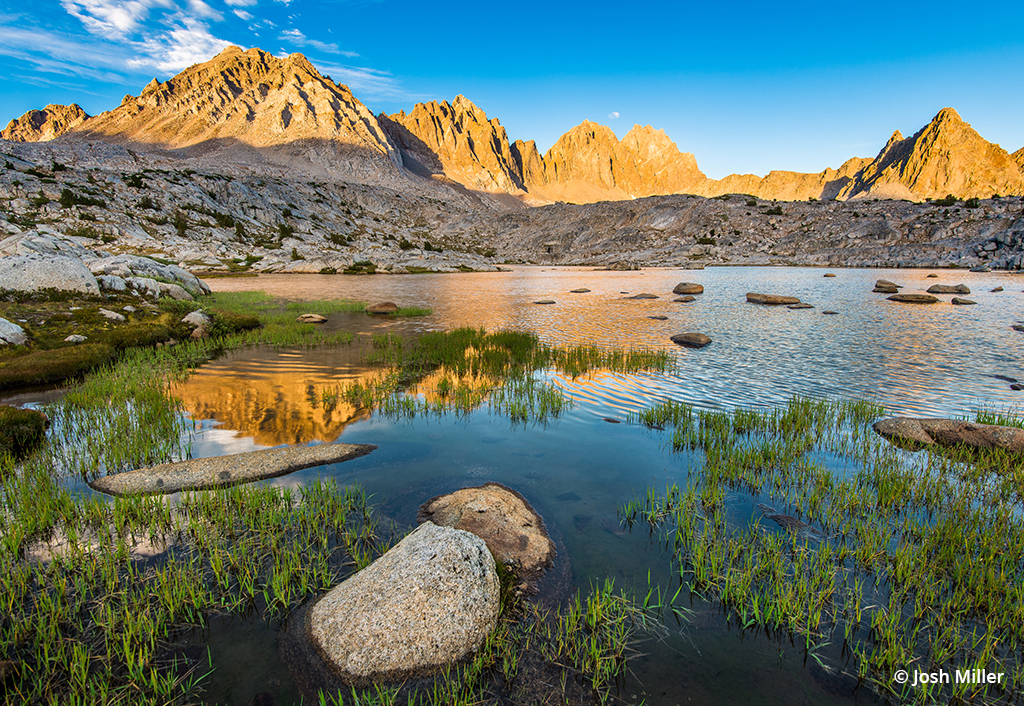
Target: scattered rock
{"x": 512, "y": 529}
{"x": 887, "y": 283}
{"x": 112, "y": 315}
{"x": 949, "y": 289}
{"x": 981, "y": 268}
{"x": 1018, "y": 327}
{"x": 914, "y": 298}
{"x": 884, "y": 286}
{"x": 581, "y": 290}
{"x": 960, "y": 301}
{"x": 197, "y": 319}
{"x": 11, "y": 334}
{"x": 691, "y": 340}
{"x": 311, "y": 319}
{"x": 828, "y": 274}
{"x": 770, "y": 299}
{"x": 1016, "y": 386}
{"x": 129, "y": 308}
{"x": 688, "y": 288}
{"x": 686, "y": 300}
{"x": 830, "y": 312}
{"x": 658, "y": 318}
{"x": 1005, "y": 377}
{"x": 643, "y": 295}
{"x": 428, "y": 602}
{"x": 75, "y": 338}
{"x": 623, "y": 266}
{"x": 801, "y": 305}
{"x": 382, "y": 308}
{"x": 933, "y": 275}
{"x": 611, "y": 420}
{"x": 220, "y": 471}
{"x": 545, "y": 301}
{"x": 951, "y": 432}
{"x": 997, "y": 289}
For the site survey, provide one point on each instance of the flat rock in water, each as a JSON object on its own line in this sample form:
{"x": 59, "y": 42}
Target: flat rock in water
{"x": 429, "y": 601}
{"x": 220, "y": 471}
{"x": 886, "y": 290}
{"x": 688, "y": 288}
{"x": 1017, "y": 327}
{"x": 770, "y": 299}
{"x": 886, "y": 284}
{"x": 382, "y": 308}
{"x": 933, "y": 275}
{"x": 949, "y": 289}
{"x": 828, "y": 274}
{"x": 658, "y": 318}
{"x": 644, "y": 295}
{"x": 311, "y": 319}
{"x": 1016, "y": 387}
{"x": 914, "y": 298}
{"x": 545, "y": 301}
{"x": 500, "y": 516}
{"x": 691, "y": 339}
{"x": 685, "y": 300}
{"x": 997, "y": 289}
{"x": 829, "y": 312}
{"x": 801, "y": 305}
{"x": 960, "y": 301}
{"x": 581, "y": 290}
{"x": 951, "y": 432}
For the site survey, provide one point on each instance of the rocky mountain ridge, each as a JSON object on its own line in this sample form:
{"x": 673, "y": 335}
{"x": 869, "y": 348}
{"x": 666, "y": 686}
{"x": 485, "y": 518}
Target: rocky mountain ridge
{"x": 252, "y": 108}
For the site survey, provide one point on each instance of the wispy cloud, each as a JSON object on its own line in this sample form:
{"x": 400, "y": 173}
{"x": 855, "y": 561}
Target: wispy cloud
{"x": 365, "y": 81}
{"x": 613, "y": 116}
{"x": 177, "y": 48}
{"x": 243, "y": 14}
{"x": 240, "y": 3}
{"x": 56, "y": 54}
{"x": 298, "y": 39}
{"x": 112, "y": 19}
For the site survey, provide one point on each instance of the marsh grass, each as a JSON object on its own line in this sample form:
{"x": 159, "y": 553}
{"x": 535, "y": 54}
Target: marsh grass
{"x": 1008, "y": 417}
{"x": 904, "y": 559}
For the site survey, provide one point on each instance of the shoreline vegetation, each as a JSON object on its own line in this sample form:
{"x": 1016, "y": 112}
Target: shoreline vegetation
{"x": 868, "y": 546}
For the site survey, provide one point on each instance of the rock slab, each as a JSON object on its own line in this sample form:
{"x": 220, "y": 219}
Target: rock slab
{"x": 220, "y": 471}
{"x": 949, "y": 289}
{"x": 691, "y": 339}
{"x": 429, "y": 601}
{"x": 951, "y": 432}
{"x": 914, "y": 298}
{"x": 503, "y": 518}
{"x": 770, "y": 299}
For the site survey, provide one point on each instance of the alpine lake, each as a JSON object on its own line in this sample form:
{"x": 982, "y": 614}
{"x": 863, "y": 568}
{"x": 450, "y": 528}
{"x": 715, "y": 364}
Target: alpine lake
{"x": 656, "y": 481}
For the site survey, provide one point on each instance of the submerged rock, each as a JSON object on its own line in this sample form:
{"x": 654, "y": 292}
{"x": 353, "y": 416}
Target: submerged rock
{"x": 691, "y": 339}
{"x": 382, "y": 308}
{"x": 643, "y": 295}
{"x": 790, "y": 523}
{"x": 311, "y": 319}
{"x": 771, "y": 299}
{"x": 685, "y": 300}
{"x": 512, "y": 529}
{"x": 949, "y": 289}
{"x": 688, "y": 288}
{"x": 951, "y": 432}
{"x": 801, "y": 305}
{"x": 914, "y": 298}
{"x": 581, "y": 290}
{"x": 220, "y": 471}
{"x": 429, "y": 601}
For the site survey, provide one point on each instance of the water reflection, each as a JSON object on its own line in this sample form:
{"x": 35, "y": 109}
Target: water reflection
{"x": 920, "y": 359}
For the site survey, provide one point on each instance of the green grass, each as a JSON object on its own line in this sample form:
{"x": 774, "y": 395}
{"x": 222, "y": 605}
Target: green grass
{"x": 21, "y": 430}
{"x": 907, "y": 558}
{"x": 404, "y": 311}
{"x": 1009, "y": 417}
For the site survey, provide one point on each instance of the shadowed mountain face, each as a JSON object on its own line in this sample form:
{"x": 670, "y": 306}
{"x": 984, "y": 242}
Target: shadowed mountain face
{"x": 250, "y": 106}
{"x": 44, "y": 125}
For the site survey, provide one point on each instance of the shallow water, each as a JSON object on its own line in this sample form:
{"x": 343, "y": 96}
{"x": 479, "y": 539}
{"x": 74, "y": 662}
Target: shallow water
{"x": 578, "y": 470}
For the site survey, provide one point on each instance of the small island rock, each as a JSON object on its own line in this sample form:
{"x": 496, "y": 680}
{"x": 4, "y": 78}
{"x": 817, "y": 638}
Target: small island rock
{"x": 688, "y": 288}
{"x": 691, "y": 339}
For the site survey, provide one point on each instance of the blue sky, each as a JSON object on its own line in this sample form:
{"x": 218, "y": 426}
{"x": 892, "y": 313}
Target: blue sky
{"x": 747, "y": 87}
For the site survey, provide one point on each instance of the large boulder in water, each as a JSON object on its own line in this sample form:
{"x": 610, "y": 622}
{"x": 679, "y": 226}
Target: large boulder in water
{"x": 500, "y": 516}
{"x": 691, "y": 339}
{"x": 914, "y": 298}
{"x": 430, "y": 601}
{"x": 949, "y": 289}
{"x": 688, "y": 288}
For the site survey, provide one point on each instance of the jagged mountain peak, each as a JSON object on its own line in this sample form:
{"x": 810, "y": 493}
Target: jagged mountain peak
{"x": 44, "y": 125}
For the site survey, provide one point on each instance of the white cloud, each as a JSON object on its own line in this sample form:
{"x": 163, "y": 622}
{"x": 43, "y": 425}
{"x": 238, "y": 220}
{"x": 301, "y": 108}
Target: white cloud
{"x": 56, "y": 54}
{"x": 112, "y": 19}
{"x": 243, "y": 14}
{"x": 178, "y": 48}
{"x": 201, "y": 9}
{"x": 298, "y": 39}
{"x": 240, "y": 3}
{"x": 613, "y": 116}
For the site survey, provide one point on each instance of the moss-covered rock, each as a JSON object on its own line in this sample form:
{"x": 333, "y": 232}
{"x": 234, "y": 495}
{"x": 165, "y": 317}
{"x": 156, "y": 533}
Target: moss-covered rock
{"x": 21, "y": 430}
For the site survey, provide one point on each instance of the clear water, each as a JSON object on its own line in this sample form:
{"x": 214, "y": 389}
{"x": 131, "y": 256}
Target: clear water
{"x": 916, "y": 359}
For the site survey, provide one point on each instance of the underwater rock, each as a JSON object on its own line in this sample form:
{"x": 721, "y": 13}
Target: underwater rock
{"x": 427, "y": 602}
{"x": 382, "y": 308}
{"x": 643, "y": 295}
{"x": 685, "y": 300}
{"x": 220, "y": 471}
{"x": 770, "y": 299}
{"x": 512, "y": 529}
{"x": 691, "y": 339}
{"x": 951, "y": 432}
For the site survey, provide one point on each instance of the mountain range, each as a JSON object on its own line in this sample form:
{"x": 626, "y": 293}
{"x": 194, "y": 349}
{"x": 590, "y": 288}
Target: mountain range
{"x": 250, "y": 106}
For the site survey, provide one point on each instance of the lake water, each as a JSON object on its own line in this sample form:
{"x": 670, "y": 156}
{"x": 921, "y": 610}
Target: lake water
{"x": 928, "y": 360}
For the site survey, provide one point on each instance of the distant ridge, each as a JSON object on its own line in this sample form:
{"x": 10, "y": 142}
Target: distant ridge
{"x": 245, "y": 101}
